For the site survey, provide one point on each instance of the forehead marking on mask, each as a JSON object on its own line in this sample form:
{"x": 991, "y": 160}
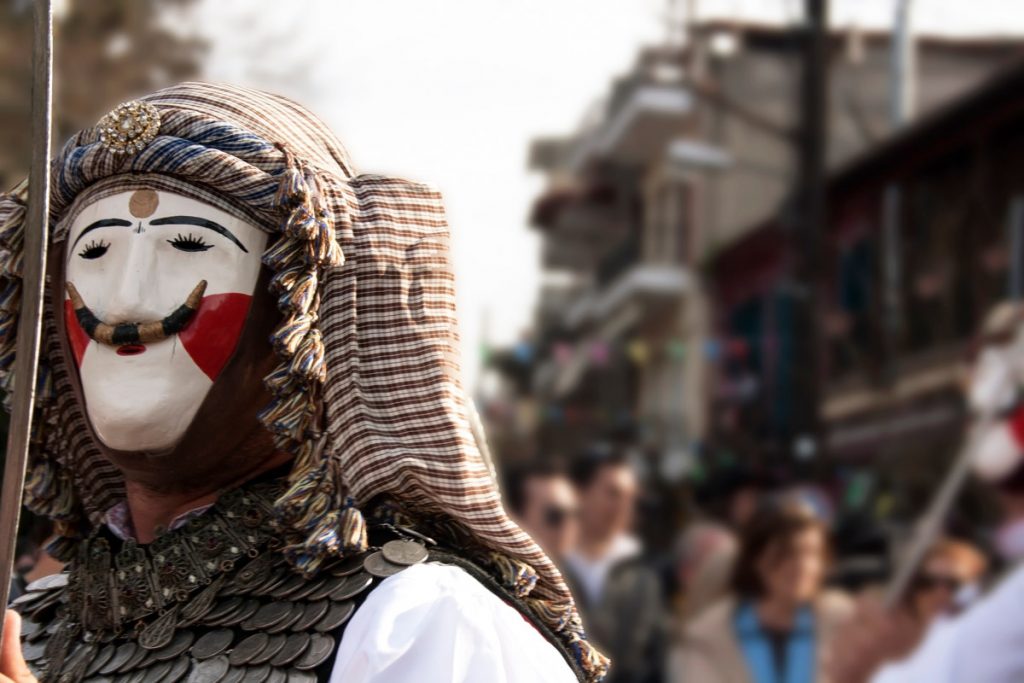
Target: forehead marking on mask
{"x": 143, "y": 203}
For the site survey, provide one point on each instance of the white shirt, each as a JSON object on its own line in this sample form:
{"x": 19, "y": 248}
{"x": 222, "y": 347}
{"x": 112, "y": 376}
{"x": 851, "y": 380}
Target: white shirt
{"x": 984, "y": 645}
{"x": 434, "y": 623}
{"x": 593, "y": 573}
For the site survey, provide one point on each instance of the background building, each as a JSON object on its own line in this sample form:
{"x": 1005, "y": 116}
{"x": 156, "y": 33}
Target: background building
{"x": 666, "y": 321}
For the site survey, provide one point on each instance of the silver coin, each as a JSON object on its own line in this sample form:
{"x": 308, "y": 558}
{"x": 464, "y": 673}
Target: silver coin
{"x": 294, "y": 646}
{"x": 36, "y": 634}
{"x": 208, "y": 670}
{"x": 379, "y": 566}
{"x": 277, "y": 676}
{"x": 293, "y": 584}
{"x": 133, "y": 661}
{"x": 148, "y": 660}
{"x": 179, "y": 667}
{"x": 274, "y": 645}
{"x": 349, "y": 565}
{"x": 256, "y": 674}
{"x": 296, "y": 612}
{"x": 351, "y": 586}
{"x": 312, "y": 613}
{"x": 124, "y": 652}
{"x": 33, "y": 652}
{"x": 246, "y": 610}
{"x": 213, "y": 643}
{"x": 79, "y": 660}
{"x": 181, "y": 642}
{"x": 222, "y": 609}
{"x": 156, "y": 673}
{"x": 26, "y": 600}
{"x": 137, "y": 676}
{"x": 312, "y": 586}
{"x": 337, "y": 615}
{"x": 248, "y": 649}
{"x": 320, "y": 648}
{"x": 48, "y": 583}
{"x": 405, "y": 552}
{"x": 269, "y": 614}
{"x": 234, "y": 675}
{"x": 299, "y": 676}
{"x": 325, "y": 586}
{"x": 29, "y": 628}
{"x": 101, "y": 658}
{"x": 274, "y": 581}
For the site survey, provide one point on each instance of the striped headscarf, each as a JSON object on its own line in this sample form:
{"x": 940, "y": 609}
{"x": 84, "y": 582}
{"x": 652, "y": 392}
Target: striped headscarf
{"x": 367, "y": 392}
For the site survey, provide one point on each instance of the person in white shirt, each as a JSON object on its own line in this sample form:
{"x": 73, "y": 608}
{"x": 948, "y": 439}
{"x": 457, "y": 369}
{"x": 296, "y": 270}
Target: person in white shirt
{"x": 621, "y": 598}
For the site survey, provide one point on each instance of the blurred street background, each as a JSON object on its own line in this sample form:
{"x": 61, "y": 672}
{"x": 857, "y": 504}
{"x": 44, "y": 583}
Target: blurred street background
{"x": 709, "y": 253}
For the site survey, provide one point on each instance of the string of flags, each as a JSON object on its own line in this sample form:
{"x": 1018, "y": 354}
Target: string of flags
{"x": 638, "y": 351}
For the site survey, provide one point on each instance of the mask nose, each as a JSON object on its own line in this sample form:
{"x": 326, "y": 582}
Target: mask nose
{"x": 137, "y": 293}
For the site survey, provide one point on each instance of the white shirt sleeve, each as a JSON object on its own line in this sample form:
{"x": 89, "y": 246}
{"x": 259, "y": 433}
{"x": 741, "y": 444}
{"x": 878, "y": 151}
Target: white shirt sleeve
{"x": 434, "y": 623}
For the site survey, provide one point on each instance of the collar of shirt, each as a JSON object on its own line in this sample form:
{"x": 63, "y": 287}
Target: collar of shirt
{"x": 119, "y": 520}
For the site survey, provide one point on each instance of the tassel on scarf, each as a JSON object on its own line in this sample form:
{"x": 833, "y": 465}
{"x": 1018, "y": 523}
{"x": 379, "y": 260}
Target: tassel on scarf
{"x": 286, "y": 339}
{"x": 308, "y": 361}
{"x": 517, "y": 576}
{"x": 280, "y": 382}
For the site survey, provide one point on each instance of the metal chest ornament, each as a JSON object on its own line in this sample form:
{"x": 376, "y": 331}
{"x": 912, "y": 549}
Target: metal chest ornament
{"x": 212, "y": 601}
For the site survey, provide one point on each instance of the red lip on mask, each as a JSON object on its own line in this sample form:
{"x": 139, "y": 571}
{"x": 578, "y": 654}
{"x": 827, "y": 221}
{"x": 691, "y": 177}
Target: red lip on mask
{"x": 210, "y": 338}
{"x": 131, "y": 349}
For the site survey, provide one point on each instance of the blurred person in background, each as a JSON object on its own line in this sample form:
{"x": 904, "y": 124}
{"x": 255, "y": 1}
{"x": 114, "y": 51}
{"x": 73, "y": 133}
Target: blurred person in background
{"x": 542, "y": 501}
{"x": 984, "y": 644}
{"x": 778, "y": 624}
{"x": 619, "y": 594}
{"x": 950, "y": 577}
{"x": 948, "y": 581}
{"x": 702, "y": 565}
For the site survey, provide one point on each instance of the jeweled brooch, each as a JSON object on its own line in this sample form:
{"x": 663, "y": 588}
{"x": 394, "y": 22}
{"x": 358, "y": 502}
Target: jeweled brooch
{"x": 130, "y": 127}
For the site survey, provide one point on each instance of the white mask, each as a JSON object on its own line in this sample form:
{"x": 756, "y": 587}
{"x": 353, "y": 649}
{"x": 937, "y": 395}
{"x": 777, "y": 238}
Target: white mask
{"x": 135, "y": 257}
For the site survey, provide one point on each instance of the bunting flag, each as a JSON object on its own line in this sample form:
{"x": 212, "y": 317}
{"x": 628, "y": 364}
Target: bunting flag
{"x": 638, "y": 351}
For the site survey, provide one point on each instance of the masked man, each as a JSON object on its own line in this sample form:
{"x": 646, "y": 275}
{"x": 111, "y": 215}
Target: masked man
{"x": 252, "y": 436}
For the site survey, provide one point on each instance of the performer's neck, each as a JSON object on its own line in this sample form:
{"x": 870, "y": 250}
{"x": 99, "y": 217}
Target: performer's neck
{"x": 154, "y": 510}
{"x": 777, "y": 613}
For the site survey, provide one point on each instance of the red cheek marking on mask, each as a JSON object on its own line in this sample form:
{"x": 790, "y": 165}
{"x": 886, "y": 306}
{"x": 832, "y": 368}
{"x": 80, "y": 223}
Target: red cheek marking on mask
{"x": 76, "y": 335}
{"x": 211, "y": 337}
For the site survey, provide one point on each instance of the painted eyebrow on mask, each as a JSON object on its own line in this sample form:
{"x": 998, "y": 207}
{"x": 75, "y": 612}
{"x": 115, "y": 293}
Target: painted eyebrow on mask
{"x": 200, "y": 223}
{"x": 102, "y": 223}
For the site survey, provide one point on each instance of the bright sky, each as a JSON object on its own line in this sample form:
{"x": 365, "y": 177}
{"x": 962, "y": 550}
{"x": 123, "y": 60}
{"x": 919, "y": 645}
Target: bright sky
{"x": 451, "y": 92}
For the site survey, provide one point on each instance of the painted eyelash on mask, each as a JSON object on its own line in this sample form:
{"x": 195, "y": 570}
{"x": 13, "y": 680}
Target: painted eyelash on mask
{"x": 189, "y": 243}
{"x": 94, "y": 249}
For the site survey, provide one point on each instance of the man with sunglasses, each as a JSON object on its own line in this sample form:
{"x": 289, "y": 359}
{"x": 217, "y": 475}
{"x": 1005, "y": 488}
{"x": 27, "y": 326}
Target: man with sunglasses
{"x": 542, "y": 501}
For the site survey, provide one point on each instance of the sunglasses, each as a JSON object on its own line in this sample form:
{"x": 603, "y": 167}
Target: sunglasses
{"x": 928, "y": 582}
{"x": 555, "y": 516}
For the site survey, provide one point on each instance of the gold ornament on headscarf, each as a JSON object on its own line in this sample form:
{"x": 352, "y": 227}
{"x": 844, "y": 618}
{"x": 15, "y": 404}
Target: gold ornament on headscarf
{"x": 130, "y": 127}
